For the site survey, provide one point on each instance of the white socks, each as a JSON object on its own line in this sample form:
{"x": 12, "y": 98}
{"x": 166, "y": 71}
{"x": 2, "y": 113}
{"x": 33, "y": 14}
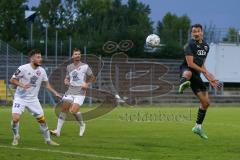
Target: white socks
{"x": 15, "y": 128}
{"x": 45, "y": 131}
{"x": 79, "y": 118}
{"x": 61, "y": 120}
{"x": 198, "y": 126}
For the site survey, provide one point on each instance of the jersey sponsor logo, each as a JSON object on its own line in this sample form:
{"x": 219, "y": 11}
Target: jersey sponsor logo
{"x": 201, "y": 52}
{"x": 38, "y": 72}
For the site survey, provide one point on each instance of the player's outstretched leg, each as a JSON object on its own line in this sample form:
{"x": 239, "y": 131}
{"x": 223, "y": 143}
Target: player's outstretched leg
{"x": 79, "y": 118}
{"x": 61, "y": 120}
{"x": 45, "y": 131}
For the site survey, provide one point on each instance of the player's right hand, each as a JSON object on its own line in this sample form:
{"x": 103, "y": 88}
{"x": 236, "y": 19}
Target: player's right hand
{"x": 58, "y": 95}
{"x": 84, "y": 85}
{"x": 66, "y": 82}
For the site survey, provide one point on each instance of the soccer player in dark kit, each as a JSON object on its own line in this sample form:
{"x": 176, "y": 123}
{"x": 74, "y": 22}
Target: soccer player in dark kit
{"x": 196, "y": 52}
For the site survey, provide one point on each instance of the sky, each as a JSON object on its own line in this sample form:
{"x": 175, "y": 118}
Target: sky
{"x": 220, "y": 13}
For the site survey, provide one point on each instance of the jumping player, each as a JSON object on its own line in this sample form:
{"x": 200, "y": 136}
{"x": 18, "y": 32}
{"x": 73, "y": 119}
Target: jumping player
{"x": 193, "y": 65}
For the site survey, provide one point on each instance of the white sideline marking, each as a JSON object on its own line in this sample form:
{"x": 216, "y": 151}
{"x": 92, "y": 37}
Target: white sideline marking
{"x": 69, "y": 153}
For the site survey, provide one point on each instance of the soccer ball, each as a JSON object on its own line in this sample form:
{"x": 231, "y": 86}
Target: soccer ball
{"x": 153, "y": 40}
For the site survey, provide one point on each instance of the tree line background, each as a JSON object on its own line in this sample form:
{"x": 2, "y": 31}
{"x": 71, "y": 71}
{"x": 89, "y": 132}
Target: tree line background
{"x": 91, "y": 23}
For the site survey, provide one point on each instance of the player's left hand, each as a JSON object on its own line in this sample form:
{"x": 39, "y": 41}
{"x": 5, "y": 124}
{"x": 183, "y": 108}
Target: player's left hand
{"x": 215, "y": 84}
{"x": 84, "y": 85}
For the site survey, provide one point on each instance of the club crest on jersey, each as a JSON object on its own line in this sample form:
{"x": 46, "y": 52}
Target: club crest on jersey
{"x": 33, "y": 81}
{"x": 38, "y": 72}
{"x": 75, "y": 76}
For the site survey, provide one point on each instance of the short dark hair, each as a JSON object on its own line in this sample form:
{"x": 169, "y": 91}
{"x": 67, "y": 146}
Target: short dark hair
{"x": 33, "y": 52}
{"x": 197, "y": 25}
{"x": 76, "y": 50}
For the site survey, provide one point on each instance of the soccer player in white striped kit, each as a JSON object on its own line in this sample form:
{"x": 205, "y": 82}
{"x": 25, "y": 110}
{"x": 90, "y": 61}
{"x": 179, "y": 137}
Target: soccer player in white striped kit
{"x": 28, "y": 79}
{"x": 79, "y": 76}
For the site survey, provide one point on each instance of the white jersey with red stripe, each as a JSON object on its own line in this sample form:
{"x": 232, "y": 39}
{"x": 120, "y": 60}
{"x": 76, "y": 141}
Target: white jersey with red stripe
{"x": 26, "y": 74}
{"x": 77, "y": 75}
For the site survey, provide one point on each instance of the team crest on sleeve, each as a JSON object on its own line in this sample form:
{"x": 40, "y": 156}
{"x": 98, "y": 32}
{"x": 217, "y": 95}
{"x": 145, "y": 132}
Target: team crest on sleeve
{"x": 206, "y": 48}
{"x": 185, "y": 46}
{"x": 17, "y": 72}
{"x": 38, "y": 72}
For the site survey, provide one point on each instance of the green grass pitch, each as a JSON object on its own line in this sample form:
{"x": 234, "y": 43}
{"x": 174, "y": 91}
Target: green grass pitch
{"x": 145, "y": 133}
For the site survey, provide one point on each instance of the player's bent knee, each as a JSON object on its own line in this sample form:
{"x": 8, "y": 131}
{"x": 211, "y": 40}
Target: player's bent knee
{"x": 66, "y": 105}
{"x": 64, "y": 110}
{"x": 74, "y": 108}
{"x": 15, "y": 118}
{"x": 187, "y": 74}
{"x": 74, "y": 111}
{"x": 206, "y": 104}
{"x": 41, "y": 119}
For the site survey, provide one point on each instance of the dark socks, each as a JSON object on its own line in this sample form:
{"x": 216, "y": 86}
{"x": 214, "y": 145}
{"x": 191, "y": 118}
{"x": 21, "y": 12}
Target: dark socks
{"x": 201, "y": 115}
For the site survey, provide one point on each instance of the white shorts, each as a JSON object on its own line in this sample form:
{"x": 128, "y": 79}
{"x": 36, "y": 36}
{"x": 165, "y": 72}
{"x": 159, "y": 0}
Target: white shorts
{"x": 74, "y": 99}
{"x": 34, "y": 107}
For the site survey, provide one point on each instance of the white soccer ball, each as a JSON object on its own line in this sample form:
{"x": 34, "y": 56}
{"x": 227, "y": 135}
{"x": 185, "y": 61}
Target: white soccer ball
{"x": 153, "y": 40}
